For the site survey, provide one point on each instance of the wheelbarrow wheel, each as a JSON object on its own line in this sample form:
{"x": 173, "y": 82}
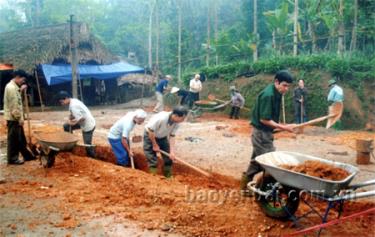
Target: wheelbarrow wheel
{"x": 282, "y": 204}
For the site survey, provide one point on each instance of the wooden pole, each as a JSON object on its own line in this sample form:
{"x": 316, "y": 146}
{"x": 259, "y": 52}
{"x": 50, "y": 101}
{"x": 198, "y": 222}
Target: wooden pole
{"x": 143, "y": 88}
{"x": 283, "y": 105}
{"x": 73, "y": 53}
{"x": 39, "y": 92}
{"x": 28, "y": 116}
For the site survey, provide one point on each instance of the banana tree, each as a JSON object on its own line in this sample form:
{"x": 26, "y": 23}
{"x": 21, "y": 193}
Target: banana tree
{"x": 278, "y": 21}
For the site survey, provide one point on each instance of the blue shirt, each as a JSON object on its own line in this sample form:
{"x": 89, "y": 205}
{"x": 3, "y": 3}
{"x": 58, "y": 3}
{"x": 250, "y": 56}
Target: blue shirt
{"x": 162, "y": 85}
{"x": 336, "y": 94}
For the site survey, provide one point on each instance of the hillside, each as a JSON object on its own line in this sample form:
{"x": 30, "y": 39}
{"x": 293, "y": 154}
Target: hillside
{"x": 358, "y": 105}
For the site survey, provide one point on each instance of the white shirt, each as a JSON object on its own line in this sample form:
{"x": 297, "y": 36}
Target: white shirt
{"x": 122, "y": 127}
{"x": 79, "y": 110}
{"x": 195, "y": 85}
{"x": 161, "y": 125}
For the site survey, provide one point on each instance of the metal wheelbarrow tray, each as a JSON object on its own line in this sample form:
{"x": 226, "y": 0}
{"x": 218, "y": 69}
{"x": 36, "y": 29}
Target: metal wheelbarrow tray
{"x": 63, "y": 141}
{"x": 273, "y": 161}
{"x": 53, "y": 142}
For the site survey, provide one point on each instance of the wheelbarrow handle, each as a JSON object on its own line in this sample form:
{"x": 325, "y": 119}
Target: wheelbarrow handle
{"x": 360, "y": 185}
{"x": 353, "y": 196}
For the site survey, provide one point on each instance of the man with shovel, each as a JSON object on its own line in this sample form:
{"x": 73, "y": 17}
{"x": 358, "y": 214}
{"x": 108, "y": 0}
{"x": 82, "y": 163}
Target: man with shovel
{"x": 161, "y": 87}
{"x": 13, "y": 114}
{"x": 265, "y": 118}
{"x": 335, "y": 95}
{"x": 118, "y": 135}
{"x": 159, "y": 137}
{"x": 80, "y": 118}
{"x": 237, "y": 102}
{"x": 299, "y": 101}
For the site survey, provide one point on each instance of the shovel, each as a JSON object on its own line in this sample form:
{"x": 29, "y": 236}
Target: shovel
{"x": 213, "y": 97}
{"x": 187, "y": 164}
{"x": 334, "y": 114}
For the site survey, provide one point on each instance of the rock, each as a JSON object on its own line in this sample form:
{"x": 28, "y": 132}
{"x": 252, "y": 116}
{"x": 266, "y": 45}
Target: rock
{"x": 67, "y": 216}
{"x": 166, "y": 227}
{"x": 220, "y": 127}
{"x": 226, "y": 134}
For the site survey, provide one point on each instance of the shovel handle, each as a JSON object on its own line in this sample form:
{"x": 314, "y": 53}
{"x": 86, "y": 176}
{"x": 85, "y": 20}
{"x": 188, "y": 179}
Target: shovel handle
{"x": 132, "y": 162}
{"x": 187, "y": 164}
{"x": 314, "y": 121}
{"x": 28, "y": 115}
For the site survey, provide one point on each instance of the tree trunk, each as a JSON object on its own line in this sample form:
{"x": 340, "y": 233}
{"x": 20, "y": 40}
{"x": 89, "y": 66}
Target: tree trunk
{"x": 157, "y": 38}
{"x": 150, "y": 35}
{"x": 255, "y": 19}
{"x": 216, "y": 33}
{"x": 295, "y": 36}
{"x": 179, "y": 42}
{"x": 274, "y": 39}
{"x": 340, "y": 45}
{"x": 313, "y": 37}
{"x": 353, "y": 43}
{"x": 208, "y": 34}
{"x": 73, "y": 60}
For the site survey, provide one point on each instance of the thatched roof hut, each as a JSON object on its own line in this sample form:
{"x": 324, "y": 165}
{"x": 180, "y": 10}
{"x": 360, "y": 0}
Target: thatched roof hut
{"x": 27, "y": 48}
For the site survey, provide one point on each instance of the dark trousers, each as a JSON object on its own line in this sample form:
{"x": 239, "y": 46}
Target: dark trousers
{"x": 87, "y": 137}
{"x": 298, "y": 112}
{"x": 235, "y": 112}
{"x": 192, "y": 98}
{"x": 17, "y": 142}
{"x": 262, "y": 143}
{"x": 151, "y": 154}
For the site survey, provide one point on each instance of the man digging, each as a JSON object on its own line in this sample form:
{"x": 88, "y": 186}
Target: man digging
{"x": 118, "y": 135}
{"x": 159, "y": 136}
{"x": 80, "y": 118}
{"x": 265, "y": 118}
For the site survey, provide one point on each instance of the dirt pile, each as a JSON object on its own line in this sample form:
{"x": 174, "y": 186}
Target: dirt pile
{"x": 319, "y": 169}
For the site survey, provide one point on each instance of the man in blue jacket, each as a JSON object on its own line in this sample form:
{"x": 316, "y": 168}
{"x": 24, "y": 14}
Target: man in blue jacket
{"x": 159, "y": 92}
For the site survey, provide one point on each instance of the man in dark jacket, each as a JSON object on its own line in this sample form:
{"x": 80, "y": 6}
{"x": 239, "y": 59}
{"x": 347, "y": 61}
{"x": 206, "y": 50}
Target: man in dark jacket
{"x": 299, "y": 101}
{"x": 265, "y": 118}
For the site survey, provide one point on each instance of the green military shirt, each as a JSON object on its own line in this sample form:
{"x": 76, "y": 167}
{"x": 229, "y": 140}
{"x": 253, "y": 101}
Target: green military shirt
{"x": 267, "y": 107}
{"x": 13, "y": 109}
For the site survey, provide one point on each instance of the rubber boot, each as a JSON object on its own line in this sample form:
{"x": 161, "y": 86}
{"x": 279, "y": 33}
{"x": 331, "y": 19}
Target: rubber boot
{"x": 167, "y": 171}
{"x": 153, "y": 170}
{"x": 243, "y": 186}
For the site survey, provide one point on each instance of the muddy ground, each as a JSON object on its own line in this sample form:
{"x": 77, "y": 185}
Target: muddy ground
{"x": 85, "y": 197}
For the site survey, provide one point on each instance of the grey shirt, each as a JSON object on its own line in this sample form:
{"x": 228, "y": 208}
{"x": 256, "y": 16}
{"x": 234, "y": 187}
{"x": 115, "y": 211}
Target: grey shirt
{"x": 161, "y": 125}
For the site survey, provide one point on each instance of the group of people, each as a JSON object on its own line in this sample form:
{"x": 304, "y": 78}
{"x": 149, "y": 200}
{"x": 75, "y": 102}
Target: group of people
{"x": 158, "y": 135}
{"x": 187, "y": 98}
{"x": 160, "y": 130}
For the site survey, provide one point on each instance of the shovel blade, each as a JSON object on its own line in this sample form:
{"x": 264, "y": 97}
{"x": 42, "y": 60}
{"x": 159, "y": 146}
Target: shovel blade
{"x": 336, "y": 110}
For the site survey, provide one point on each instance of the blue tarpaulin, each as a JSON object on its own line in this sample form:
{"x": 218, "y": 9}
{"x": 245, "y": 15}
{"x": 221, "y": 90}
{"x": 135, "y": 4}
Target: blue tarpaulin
{"x": 57, "y": 74}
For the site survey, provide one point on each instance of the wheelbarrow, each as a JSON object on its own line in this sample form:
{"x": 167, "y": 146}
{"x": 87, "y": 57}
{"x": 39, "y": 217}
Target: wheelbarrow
{"x": 206, "y": 105}
{"x": 51, "y": 144}
{"x": 279, "y": 190}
